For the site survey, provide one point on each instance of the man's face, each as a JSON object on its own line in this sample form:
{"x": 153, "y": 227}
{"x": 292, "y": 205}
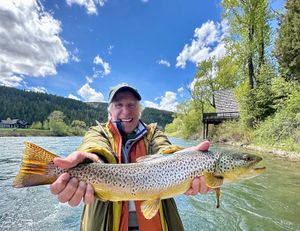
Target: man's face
{"x": 125, "y": 107}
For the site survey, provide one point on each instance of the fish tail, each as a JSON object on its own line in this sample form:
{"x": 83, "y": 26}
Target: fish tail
{"x": 37, "y": 167}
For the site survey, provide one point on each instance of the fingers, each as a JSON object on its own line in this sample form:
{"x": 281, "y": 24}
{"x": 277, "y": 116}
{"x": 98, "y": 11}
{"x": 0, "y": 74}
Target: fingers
{"x": 67, "y": 193}
{"x": 198, "y": 185}
{"x": 74, "y": 159}
{"x": 59, "y": 184}
{"x": 203, "y": 188}
{"x": 89, "y": 194}
{"x": 203, "y": 146}
{"x": 72, "y": 191}
{"x": 78, "y": 195}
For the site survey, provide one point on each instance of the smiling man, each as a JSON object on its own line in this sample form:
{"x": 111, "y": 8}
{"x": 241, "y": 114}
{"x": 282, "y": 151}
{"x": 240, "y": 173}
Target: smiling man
{"x": 123, "y": 139}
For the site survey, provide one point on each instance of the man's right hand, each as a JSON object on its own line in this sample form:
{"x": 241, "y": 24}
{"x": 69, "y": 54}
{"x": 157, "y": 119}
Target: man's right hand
{"x": 70, "y": 189}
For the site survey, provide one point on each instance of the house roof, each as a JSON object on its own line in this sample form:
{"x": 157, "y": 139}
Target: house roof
{"x": 13, "y": 121}
{"x": 225, "y": 101}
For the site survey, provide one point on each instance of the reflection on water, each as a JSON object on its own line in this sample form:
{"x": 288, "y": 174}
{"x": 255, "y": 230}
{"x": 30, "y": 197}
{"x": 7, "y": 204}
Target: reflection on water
{"x": 270, "y": 201}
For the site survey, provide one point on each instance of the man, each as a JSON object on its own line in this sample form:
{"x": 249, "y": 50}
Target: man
{"x": 123, "y": 139}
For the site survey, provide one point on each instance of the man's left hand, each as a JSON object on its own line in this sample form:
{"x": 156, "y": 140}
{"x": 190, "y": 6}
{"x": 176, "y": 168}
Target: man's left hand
{"x": 198, "y": 184}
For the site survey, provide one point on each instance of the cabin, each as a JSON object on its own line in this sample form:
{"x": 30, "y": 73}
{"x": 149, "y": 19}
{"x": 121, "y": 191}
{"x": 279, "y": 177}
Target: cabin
{"x": 13, "y": 123}
{"x": 226, "y": 109}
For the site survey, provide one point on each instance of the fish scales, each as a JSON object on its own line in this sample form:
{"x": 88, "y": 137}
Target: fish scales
{"x": 133, "y": 181}
{"x": 152, "y": 178}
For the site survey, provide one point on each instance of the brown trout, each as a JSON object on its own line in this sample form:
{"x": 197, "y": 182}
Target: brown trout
{"x": 152, "y": 178}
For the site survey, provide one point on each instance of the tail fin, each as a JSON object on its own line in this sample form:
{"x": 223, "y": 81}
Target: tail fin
{"x": 36, "y": 164}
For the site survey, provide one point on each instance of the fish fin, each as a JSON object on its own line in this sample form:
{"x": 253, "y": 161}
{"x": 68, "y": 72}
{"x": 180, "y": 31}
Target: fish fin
{"x": 148, "y": 157}
{"x": 213, "y": 181}
{"x": 150, "y": 207}
{"x": 218, "y": 195}
{"x": 36, "y": 164}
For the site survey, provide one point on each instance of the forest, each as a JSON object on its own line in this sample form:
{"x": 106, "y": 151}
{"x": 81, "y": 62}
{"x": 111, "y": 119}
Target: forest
{"x": 45, "y": 111}
{"x": 262, "y": 67}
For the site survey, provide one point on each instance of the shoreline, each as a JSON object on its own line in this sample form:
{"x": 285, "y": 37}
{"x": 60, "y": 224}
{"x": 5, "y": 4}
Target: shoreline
{"x": 293, "y": 156}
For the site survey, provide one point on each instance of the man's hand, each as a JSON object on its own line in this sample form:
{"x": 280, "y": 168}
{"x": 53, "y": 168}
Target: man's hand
{"x": 198, "y": 184}
{"x": 70, "y": 189}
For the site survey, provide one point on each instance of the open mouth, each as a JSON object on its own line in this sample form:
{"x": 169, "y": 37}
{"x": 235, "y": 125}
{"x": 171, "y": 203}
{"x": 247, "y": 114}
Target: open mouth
{"x": 126, "y": 120}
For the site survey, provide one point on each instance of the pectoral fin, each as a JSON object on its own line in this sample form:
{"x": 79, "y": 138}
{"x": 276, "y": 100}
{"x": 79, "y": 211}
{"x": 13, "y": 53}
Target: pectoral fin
{"x": 149, "y": 208}
{"x": 213, "y": 181}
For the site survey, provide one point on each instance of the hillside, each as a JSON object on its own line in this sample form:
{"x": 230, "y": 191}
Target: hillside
{"x": 33, "y": 107}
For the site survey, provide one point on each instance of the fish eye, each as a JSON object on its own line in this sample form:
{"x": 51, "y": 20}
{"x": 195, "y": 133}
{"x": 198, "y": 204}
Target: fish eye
{"x": 247, "y": 158}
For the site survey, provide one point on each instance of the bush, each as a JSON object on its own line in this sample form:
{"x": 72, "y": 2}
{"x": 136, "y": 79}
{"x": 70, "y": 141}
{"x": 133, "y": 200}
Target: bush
{"x": 231, "y": 131}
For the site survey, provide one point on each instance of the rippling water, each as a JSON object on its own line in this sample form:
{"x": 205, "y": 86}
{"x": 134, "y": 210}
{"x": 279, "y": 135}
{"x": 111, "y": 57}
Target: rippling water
{"x": 270, "y": 201}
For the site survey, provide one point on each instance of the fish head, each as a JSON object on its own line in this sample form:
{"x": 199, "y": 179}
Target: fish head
{"x": 235, "y": 166}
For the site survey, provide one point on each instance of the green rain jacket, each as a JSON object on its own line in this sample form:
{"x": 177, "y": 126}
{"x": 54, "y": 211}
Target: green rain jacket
{"x": 99, "y": 215}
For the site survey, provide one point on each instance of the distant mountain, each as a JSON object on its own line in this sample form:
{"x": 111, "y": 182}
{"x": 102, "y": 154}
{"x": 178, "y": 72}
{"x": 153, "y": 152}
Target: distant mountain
{"x": 33, "y": 107}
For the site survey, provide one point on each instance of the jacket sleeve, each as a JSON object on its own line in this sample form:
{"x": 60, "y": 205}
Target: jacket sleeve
{"x": 96, "y": 141}
{"x": 159, "y": 143}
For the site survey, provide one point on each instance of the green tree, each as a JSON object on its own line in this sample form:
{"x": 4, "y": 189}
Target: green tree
{"x": 78, "y": 127}
{"x": 57, "y": 124}
{"x": 288, "y": 42}
{"x": 249, "y": 34}
{"x": 37, "y": 125}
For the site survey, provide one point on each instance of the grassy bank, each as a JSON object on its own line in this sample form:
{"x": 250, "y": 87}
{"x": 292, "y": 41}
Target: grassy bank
{"x": 25, "y": 132}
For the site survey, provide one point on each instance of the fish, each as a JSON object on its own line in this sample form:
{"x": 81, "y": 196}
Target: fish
{"x": 151, "y": 179}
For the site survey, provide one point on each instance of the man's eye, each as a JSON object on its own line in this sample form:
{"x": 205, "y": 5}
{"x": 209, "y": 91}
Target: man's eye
{"x": 131, "y": 105}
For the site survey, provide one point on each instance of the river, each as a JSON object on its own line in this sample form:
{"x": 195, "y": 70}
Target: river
{"x": 270, "y": 201}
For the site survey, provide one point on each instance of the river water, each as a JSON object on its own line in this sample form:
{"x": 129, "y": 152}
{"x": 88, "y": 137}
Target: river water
{"x": 270, "y": 201}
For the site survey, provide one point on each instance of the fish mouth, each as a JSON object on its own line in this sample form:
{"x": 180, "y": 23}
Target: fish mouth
{"x": 259, "y": 169}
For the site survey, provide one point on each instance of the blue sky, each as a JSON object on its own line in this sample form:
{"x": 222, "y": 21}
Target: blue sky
{"x": 81, "y": 48}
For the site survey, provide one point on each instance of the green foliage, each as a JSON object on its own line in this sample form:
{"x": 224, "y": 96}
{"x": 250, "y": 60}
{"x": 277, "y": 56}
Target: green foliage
{"x": 231, "y": 131}
{"x": 212, "y": 75}
{"x": 36, "y": 125}
{"x": 57, "y": 124}
{"x": 33, "y": 107}
{"x": 249, "y": 37}
{"x": 175, "y": 128}
{"x": 283, "y": 128}
{"x": 288, "y": 43}
{"x": 78, "y": 127}
{"x": 46, "y": 125}
{"x": 161, "y": 117}
{"x": 187, "y": 122}
{"x": 264, "y": 100}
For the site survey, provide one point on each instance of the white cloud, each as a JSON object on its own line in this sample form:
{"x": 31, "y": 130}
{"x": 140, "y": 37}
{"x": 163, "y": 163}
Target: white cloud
{"x": 180, "y": 91}
{"x": 207, "y": 43}
{"x": 106, "y": 68}
{"x": 70, "y": 96}
{"x": 164, "y": 62}
{"x": 89, "y": 94}
{"x": 37, "y": 89}
{"x": 74, "y": 55}
{"x": 109, "y": 49}
{"x": 167, "y": 102}
{"x": 10, "y": 80}
{"x": 89, "y": 79}
{"x": 29, "y": 42}
{"x": 90, "y": 5}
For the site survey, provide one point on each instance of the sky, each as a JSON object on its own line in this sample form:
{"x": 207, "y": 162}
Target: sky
{"x": 79, "y": 49}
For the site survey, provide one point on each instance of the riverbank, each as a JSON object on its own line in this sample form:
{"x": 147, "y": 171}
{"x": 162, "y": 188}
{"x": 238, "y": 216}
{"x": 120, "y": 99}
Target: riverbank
{"x": 294, "y": 156}
{"x": 13, "y": 132}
